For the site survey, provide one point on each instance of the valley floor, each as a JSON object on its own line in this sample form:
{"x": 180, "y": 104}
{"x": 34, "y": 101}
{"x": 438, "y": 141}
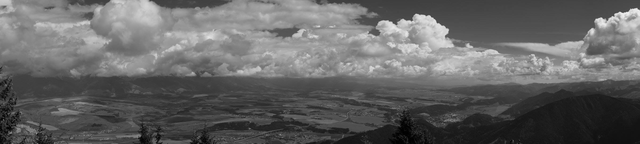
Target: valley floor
{"x": 242, "y": 116}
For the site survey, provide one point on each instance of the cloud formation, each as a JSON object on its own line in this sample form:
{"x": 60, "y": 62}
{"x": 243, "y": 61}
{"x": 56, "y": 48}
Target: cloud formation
{"x": 132, "y": 25}
{"x": 571, "y": 49}
{"x": 140, "y": 38}
{"x": 269, "y": 14}
{"x": 618, "y": 35}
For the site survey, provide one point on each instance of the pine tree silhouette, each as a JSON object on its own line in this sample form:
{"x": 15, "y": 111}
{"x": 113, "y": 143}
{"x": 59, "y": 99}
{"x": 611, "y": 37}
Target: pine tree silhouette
{"x": 409, "y": 133}
{"x": 365, "y": 139}
{"x": 42, "y": 137}
{"x": 203, "y": 137}
{"x": 513, "y": 142}
{"x": 158, "y": 134}
{"x": 9, "y": 117}
{"x": 146, "y": 137}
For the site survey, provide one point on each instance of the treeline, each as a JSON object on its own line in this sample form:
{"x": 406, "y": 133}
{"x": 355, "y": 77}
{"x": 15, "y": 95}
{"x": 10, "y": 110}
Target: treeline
{"x": 154, "y": 135}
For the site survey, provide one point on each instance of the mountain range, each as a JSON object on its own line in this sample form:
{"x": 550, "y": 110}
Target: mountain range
{"x": 513, "y": 93}
{"x": 573, "y": 119}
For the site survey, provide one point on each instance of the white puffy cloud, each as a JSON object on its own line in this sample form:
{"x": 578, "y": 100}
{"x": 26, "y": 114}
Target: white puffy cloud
{"x": 269, "y": 14}
{"x": 132, "y": 25}
{"x": 6, "y": 3}
{"x": 422, "y": 30}
{"x": 618, "y": 35}
{"x": 6, "y": 6}
{"x": 52, "y": 49}
{"x": 47, "y": 38}
{"x": 139, "y": 38}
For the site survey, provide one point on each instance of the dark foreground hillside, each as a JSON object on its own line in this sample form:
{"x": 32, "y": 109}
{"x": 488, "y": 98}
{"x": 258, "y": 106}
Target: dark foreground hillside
{"x": 582, "y": 119}
{"x": 537, "y": 101}
{"x": 381, "y": 135}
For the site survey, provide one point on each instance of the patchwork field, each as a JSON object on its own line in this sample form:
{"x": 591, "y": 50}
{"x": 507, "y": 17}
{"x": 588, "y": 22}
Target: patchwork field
{"x": 243, "y": 117}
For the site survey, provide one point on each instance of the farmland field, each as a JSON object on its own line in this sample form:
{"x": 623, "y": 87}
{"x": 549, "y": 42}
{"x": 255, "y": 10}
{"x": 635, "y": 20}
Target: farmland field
{"x": 243, "y": 116}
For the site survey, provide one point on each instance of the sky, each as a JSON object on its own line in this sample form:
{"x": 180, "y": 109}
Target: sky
{"x": 480, "y": 41}
{"x": 541, "y": 21}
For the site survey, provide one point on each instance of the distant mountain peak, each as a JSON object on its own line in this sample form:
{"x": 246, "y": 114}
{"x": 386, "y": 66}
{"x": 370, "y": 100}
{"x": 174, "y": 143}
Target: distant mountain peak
{"x": 563, "y": 91}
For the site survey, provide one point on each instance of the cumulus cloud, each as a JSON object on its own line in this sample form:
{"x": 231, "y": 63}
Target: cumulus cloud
{"x": 618, "y": 35}
{"x": 422, "y": 30}
{"x": 132, "y": 25}
{"x": 6, "y": 6}
{"x": 140, "y": 38}
{"x": 32, "y": 42}
{"x": 608, "y": 51}
{"x": 269, "y": 14}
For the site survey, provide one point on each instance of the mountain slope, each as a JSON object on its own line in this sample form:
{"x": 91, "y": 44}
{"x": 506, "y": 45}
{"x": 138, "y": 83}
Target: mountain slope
{"x": 583, "y": 119}
{"x": 578, "y": 119}
{"x": 537, "y": 101}
{"x": 513, "y": 93}
{"x": 381, "y": 135}
{"x": 377, "y": 136}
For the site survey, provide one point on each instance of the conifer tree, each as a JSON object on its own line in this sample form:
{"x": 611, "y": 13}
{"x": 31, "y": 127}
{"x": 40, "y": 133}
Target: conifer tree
{"x": 42, "y": 137}
{"x": 408, "y": 132}
{"x": 365, "y": 139}
{"x": 9, "y": 116}
{"x": 203, "y": 137}
{"x": 23, "y": 140}
{"x": 148, "y": 136}
{"x": 158, "y": 134}
{"x": 513, "y": 142}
